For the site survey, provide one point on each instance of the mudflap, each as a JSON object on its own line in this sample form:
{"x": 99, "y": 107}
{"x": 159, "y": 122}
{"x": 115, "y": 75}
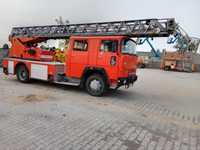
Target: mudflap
{"x": 127, "y": 82}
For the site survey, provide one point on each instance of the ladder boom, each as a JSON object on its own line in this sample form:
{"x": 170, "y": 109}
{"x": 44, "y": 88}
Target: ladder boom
{"x": 132, "y": 28}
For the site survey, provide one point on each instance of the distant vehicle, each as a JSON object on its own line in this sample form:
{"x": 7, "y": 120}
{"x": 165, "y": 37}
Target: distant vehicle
{"x": 141, "y": 62}
{"x": 186, "y": 57}
{"x": 180, "y": 61}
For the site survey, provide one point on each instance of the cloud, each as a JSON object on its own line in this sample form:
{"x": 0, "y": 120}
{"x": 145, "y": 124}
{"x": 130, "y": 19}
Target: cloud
{"x": 42, "y": 12}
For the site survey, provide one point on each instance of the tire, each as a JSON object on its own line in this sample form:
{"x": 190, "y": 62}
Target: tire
{"x": 23, "y": 74}
{"x": 96, "y": 85}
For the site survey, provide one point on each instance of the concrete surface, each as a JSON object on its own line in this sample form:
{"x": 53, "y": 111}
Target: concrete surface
{"x": 159, "y": 113}
{"x": 177, "y": 91}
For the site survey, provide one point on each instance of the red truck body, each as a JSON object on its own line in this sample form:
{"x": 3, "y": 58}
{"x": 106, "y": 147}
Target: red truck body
{"x": 86, "y": 56}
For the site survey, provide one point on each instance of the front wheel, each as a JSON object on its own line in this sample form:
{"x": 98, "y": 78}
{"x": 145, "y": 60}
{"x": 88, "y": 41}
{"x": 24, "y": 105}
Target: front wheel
{"x": 23, "y": 74}
{"x": 96, "y": 85}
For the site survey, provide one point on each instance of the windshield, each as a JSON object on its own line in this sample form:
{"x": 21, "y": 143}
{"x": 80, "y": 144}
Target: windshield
{"x": 129, "y": 46}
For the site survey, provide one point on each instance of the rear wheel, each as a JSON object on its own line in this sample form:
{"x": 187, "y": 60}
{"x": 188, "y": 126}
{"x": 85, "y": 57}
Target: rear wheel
{"x": 96, "y": 85}
{"x": 23, "y": 74}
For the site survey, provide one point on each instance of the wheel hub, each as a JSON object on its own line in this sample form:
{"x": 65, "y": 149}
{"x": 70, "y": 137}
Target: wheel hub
{"x": 23, "y": 74}
{"x": 95, "y": 85}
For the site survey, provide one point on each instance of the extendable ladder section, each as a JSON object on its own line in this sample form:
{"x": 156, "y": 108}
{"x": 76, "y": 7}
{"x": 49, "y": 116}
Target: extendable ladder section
{"x": 132, "y": 28}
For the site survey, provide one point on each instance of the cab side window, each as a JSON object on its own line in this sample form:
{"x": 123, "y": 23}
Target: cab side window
{"x": 109, "y": 46}
{"x": 80, "y": 45}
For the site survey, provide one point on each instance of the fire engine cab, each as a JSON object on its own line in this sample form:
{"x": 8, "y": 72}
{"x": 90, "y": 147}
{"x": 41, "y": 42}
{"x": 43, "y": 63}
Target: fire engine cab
{"x": 98, "y": 56}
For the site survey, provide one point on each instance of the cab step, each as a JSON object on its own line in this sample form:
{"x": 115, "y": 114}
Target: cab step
{"x": 68, "y": 83}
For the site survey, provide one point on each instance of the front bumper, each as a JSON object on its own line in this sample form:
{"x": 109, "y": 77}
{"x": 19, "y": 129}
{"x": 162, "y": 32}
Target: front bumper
{"x": 127, "y": 81}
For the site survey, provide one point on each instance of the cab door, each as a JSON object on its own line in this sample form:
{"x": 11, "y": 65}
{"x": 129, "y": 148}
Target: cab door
{"x": 108, "y": 57}
{"x": 78, "y": 57}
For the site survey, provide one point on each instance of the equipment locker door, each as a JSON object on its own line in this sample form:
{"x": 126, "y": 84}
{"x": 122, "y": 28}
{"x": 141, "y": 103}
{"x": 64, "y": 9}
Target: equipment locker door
{"x": 79, "y": 57}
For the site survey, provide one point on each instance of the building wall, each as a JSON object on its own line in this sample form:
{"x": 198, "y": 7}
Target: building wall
{"x": 1, "y": 57}
{"x": 198, "y": 68}
{"x": 196, "y": 59}
{"x": 154, "y": 64}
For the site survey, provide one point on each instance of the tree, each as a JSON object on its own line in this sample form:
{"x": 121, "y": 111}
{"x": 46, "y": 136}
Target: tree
{"x": 60, "y": 21}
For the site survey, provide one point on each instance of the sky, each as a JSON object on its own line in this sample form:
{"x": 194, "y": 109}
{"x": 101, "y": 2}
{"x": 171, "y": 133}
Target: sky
{"x": 43, "y": 12}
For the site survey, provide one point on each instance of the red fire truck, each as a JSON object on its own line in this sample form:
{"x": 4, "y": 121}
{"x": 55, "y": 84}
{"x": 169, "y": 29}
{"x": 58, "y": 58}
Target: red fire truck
{"x": 99, "y": 56}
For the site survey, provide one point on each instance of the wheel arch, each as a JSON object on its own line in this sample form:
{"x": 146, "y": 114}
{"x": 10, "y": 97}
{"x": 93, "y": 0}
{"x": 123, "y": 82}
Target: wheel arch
{"x": 20, "y": 64}
{"x": 93, "y": 70}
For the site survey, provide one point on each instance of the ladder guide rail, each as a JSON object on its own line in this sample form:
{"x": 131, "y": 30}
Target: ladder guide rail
{"x": 133, "y": 28}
